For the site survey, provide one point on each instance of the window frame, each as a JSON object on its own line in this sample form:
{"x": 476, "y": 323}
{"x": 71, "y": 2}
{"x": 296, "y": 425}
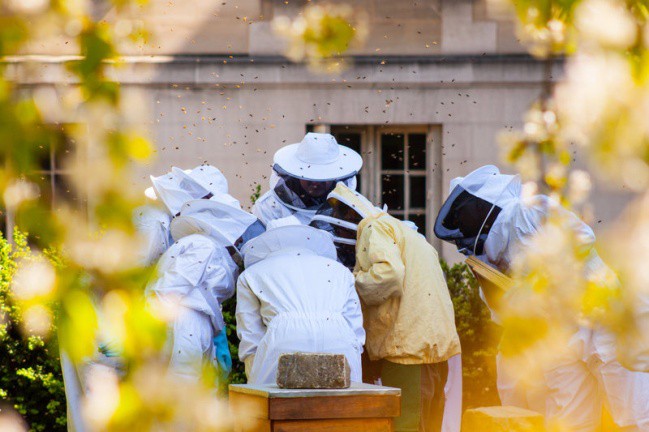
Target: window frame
{"x": 371, "y": 173}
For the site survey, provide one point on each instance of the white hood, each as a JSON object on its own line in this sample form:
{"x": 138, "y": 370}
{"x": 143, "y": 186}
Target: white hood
{"x": 490, "y": 185}
{"x": 288, "y": 237}
{"x": 177, "y": 188}
{"x": 210, "y": 178}
{"x": 221, "y": 221}
{"x": 318, "y": 157}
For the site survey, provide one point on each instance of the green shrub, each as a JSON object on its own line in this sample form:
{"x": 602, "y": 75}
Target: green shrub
{"x": 238, "y": 375}
{"x": 478, "y": 336}
{"x": 30, "y": 372}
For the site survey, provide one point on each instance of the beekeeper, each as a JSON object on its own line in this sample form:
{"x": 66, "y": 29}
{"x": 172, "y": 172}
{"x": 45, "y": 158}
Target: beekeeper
{"x": 152, "y": 220}
{"x": 485, "y": 216}
{"x": 195, "y": 276}
{"x": 295, "y": 297}
{"x": 407, "y": 307}
{"x": 303, "y": 174}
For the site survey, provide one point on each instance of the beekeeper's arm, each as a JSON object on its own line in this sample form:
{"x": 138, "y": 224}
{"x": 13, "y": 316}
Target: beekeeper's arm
{"x": 353, "y": 314}
{"x": 381, "y": 270}
{"x": 250, "y": 327}
{"x": 221, "y": 275}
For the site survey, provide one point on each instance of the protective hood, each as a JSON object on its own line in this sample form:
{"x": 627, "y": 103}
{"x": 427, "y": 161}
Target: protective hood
{"x": 150, "y": 193}
{"x": 353, "y": 199}
{"x": 290, "y": 191}
{"x": 334, "y": 218}
{"x": 288, "y": 237}
{"x": 177, "y": 188}
{"x": 484, "y": 186}
{"x": 318, "y": 157}
{"x": 224, "y": 223}
{"x": 344, "y": 231}
{"x": 489, "y": 184}
{"x": 210, "y": 178}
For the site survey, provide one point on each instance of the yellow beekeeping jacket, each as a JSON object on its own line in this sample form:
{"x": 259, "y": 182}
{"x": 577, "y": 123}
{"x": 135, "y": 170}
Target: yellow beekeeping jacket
{"x": 407, "y": 310}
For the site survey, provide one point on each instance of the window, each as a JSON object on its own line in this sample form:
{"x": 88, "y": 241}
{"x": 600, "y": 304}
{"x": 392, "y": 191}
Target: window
{"x": 53, "y": 178}
{"x": 403, "y": 175}
{"x": 56, "y": 187}
{"x": 399, "y": 169}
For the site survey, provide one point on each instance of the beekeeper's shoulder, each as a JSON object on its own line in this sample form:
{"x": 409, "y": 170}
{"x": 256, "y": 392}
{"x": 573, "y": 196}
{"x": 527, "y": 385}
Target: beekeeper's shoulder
{"x": 384, "y": 225}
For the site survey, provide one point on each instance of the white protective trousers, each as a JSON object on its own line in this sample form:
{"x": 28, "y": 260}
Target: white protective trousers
{"x": 452, "y": 421}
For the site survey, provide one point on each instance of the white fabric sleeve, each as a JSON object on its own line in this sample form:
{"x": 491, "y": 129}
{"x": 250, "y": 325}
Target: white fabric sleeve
{"x": 221, "y": 275}
{"x": 353, "y": 313}
{"x": 263, "y": 208}
{"x": 250, "y": 327}
{"x": 191, "y": 345}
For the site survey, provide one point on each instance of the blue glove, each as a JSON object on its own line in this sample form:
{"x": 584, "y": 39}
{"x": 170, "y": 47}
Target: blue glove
{"x": 223, "y": 357}
{"x": 108, "y": 349}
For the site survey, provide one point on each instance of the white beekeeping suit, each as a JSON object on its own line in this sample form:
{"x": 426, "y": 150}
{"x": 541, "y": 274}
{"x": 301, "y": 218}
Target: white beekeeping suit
{"x": 303, "y": 174}
{"x": 195, "y": 275}
{"x": 152, "y": 223}
{"x": 176, "y": 188}
{"x": 152, "y": 220}
{"x": 294, "y": 296}
{"x": 588, "y": 374}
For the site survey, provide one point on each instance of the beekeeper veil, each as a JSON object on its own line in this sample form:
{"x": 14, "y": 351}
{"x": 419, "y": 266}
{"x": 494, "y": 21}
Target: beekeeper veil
{"x": 289, "y": 235}
{"x": 344, "y": 210}
{"x": 214, "y": 181}
{"x": 304, "y": 173}
{"x": 229, "y": 226}
{"x": 176, "y": 188}
{"x": 472, "y": 207}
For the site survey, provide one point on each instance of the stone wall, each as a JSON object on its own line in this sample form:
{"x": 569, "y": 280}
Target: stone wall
{"x": 235, "y": 111}
{"x": 242, "y": 27}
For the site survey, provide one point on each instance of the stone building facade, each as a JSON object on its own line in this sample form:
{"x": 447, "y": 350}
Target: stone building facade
{"x": 424, "y": 99}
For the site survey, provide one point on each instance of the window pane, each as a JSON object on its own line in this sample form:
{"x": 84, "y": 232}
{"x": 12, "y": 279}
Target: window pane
{"x": 349, "y": 139}
{"x": 392, "y": 191}
{"x": 417, "y": 151}
{"x": 63, "y": 192}
{"x": 420, "y": 220}
{"x": 418, "y": 191}
{"x": 392, "y": 151}
{"x": 62, "y": 154}
{"x": 44, "y": 159}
